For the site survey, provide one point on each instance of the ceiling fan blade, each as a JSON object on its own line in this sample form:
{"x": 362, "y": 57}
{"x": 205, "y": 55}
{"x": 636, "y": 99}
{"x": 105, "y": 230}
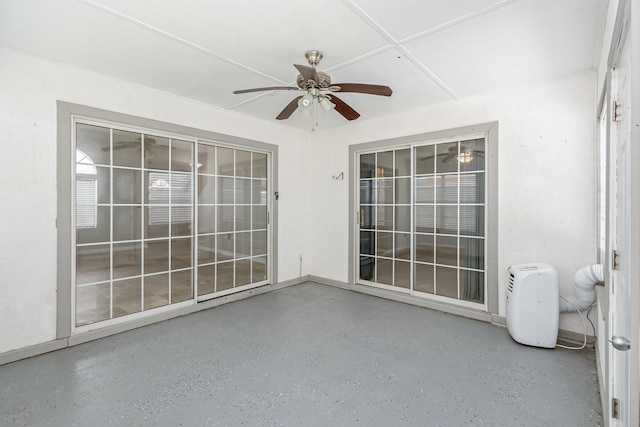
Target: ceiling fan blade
{"x": 344, "y": 109}
{"x": 363, "y": 88}
{"x": 260, "y": 89}
{"x": 308, "y": 73}
{"x": 289, "y": 109}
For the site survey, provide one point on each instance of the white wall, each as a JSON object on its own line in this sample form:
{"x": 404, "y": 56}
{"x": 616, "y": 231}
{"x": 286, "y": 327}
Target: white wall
{"x": 546, "y": 167}
{"x": 30, "y": 88}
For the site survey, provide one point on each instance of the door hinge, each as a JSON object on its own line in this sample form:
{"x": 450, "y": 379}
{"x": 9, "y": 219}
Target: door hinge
{"x": 614, "y": 260}
{"x": 617, "y": 111}
{"x": 615, "y": 408}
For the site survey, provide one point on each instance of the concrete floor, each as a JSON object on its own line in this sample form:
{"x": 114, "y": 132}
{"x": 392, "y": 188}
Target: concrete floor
{"x": 308, "y": 355}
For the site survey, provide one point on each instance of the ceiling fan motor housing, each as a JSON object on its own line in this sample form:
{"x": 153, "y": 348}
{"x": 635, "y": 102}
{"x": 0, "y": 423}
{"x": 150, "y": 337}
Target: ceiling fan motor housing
{"x": 324, "y": 81}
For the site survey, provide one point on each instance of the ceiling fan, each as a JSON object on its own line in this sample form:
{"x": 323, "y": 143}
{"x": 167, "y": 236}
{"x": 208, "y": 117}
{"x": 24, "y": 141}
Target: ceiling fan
{"x": 320, "y": 90}
{"x": 465, "y": 156}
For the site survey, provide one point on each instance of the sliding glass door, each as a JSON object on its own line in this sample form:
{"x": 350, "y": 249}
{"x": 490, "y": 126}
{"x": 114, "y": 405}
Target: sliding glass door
{"x": 422, "y": 219}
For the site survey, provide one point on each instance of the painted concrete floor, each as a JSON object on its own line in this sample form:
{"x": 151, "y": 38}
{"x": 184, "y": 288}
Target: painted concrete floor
{"x": 308, "y": 355}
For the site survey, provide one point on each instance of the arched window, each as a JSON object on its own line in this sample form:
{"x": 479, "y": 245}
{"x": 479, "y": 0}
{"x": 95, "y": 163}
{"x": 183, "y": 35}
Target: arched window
{"x": 86, "y": 191}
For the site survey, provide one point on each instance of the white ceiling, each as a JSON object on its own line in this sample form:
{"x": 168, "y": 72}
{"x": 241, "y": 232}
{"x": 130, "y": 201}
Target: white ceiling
{"x": 427, "y": 51}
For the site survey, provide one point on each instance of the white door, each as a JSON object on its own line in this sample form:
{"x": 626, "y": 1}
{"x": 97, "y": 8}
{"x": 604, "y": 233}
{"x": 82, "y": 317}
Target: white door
{"x": 623, "y": 242}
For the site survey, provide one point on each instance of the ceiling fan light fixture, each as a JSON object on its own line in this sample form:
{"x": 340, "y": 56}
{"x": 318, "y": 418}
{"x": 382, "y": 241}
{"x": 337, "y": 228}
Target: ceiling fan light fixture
{"x": 306, "y": 101}
{"x": 326, "y": 104}
{"x": 466, "y": 155}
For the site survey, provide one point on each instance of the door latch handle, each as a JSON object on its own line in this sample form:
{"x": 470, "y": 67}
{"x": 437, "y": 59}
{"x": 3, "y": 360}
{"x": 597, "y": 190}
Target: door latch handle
{"x": 620, "y": 343}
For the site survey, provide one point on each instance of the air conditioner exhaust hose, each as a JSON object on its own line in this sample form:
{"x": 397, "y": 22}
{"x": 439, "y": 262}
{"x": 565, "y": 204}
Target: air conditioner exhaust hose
{"x": 584, "y": 293}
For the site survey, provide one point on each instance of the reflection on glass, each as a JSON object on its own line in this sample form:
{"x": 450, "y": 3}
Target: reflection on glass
{"x": 225, "y": 161}
{"x": 156, "y": 152}
{"x": 243, "y": 163}
{"x": 92, "y": 264}
{"x": 424, "y": 247}
{"x": 243, "y": 191}
{"x": 472, "y": 220}
{"x": 225, "y": 218}
{"x": 181, "y": 253}
{"x": 127, "y": 149}
{"x": 384, "y": 165}
{"x": 425, "y": 188}
{"x": 447, "y": 157}
{"x": 472, "y": 285}
{"x": 472, "y": 253}
{"x": 243, "y": 272}
{"x": 206, "y": 249}
{"x": 401, "y": 274}
{"x": 367, "y": 166}
{"x": 95, "y": 142}
{"x": 384, "y": 191}
{"x": 206, "y": 158}
{"x": 472, "y": 188}
{"x": 402, "y": 248}
{"x": 425, "y": 159}
{"x": 403, "y": 162}
{"x": 224, "y": 246}
{"x": 402, "y": 220}
{"x": 367, "y": 268}
{"x": 156, "y": 219}
{"x": 181, "y": 288}
{"x": 206, "y": 279}
{"x": 181, "y": 220}
{"x": 384, "y": 244}
{"x": 367, "y": 219}
{"x": 384, "y": 271}
{"x": 368, "y": 191}
{"x": 206, "y": 189}
{"x": 157, "y": 188}
{"x": 243, "y": 218}
{"x": 225, "y": 190}
{"x": 259, "y": 219}
{"x": 104, "y": 184}
{"x": 424, "y": 278}
{"x": 384, "y": 218}
{"x": 93, "y": 303}
{"x": 206, "y": 219}
{"x": 181, "y": 188}
{"x": 156, "y": 291}
{"x": 127, "y": 297}
{"x": 259, "y": 165}
{"x": 127, "y": 223}
{"x": 259, "y": 192}
{"x": 403, "y": 191}
{"x": 259, "y": 269}
{"x": 472, "y": 155}
{"x": 243, "y": 245}
{"x": 367, "y": 242}
{"x": 96, "y": 232}
{"x": 259, "y": 243}
{"x": 127, "y": 186}
{"x": 127, "y": 260}
{"x": 447, "y": 282}
{"x": 156, "y": 256}
{"x": 446, "y": 189}
{"x": 224, "y": 276}
{"x": 424, "y": 219}
{"x": 447, "y": 219}
{"x": 446, "y": 250}
{"x": 181, "y": 155}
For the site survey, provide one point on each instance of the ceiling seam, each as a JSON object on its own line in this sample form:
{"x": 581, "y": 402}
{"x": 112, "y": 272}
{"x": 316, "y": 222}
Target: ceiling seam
{"x": 395, "y": 43}
{"x": 173, "y": 37}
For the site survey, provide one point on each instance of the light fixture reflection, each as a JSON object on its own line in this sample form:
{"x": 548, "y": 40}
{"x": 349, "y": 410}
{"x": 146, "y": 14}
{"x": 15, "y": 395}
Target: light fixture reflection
{"x": 466, "y": 155}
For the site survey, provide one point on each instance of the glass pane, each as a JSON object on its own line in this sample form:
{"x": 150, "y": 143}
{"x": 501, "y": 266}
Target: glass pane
{"x": 384, "y": 218}
{"x": 447, "y": 157}
{"x": 95, "y": 142}
{"x": 472, "y": 188}
{"x": 403, "y": 162}
{"x": 259, "y": 165}
{"x": 368, "y": 191}
{"x": 259, "y": 217}
{"x": 156, "y": 219}
{"x": 472, "y": 253}
{"x": 181, "y": 253}
{"x": 402, "y": 218}
{"x": 156, "y": 291}
{"x": 424, "y": 247}
{"x": 243, "y": 191}
{"x": 206, "y": 219}
{"x": 367, "y": 266}
{"x": 259, "y": 269}
{"x": 243, "y": 272}
{"x": 447, "y": 282}
{"x": 424, "y": 278}
{"x": 384, "y": 271}
{"x": 472, "y": 220}
{"x": 367, "y": 243}
{"x": 447, "y": 189}
{"x": 93, "y": 303}
{"x": 384, "y": 244}
{"x": 181, "y": 155}
{"x": 402, "y": 248}
{"x": 447, "y": 219}
{"x": 206, "y": 190}
{"x": 367, "y": 217}
{"x": 156, "y": 256}
{"x": 384, "y": 166}
{"x": 127, "y": 186}
{"x": 181, "y": 221}
{"x": 127, "y": 149}
{"x": 243, "y": 245}
{"x": 425, "y": 159}
{"x": 224, "y": 276}
{"x": 446, "y": 250}
{"x": 157, "y": 188}
{"x": 224, "y": 246}
{"x": 127, "y": 260}
{"x": 206, "y": 249}
{"x": 127, "y": 297}
{"x": 206, "y": 279}
{"x": 206, "y": 158}
{"x": 472, "y": 155}
{"x": 97, "y": 232}
{"x": 104, "y": 184}
{"x": 243, "y": 218}
{"x": 367, "y": 165}
{"x": 472, "y": 286}
{"x": 384, "y": 189}
{"x": 424, "y": 219}
{"x": 259, "y": 243}
{"x": 181, "y": 289}
{"x": 225, "y": 190}
{"x": 243, "y": 163}
{"x": 156, "y": 152}
{"x": 127, "y": 222}
{"x": 92, "y": 264}
{"x": 401, "y": 274}
{"x": 403, "y": 191}
{"x": 225, "y": 161}
{"x": 425, "y": 189}
{"x": 225, "y": 218}
{"x": 259, "y": 192}
{"x": 181, "y": 189}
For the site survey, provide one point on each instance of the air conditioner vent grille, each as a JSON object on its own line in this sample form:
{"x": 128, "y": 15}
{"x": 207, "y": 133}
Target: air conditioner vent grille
{"x": 510, "y": 284}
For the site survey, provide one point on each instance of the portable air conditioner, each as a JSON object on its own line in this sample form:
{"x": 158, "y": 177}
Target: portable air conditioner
{"x": 532, "y": 304}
